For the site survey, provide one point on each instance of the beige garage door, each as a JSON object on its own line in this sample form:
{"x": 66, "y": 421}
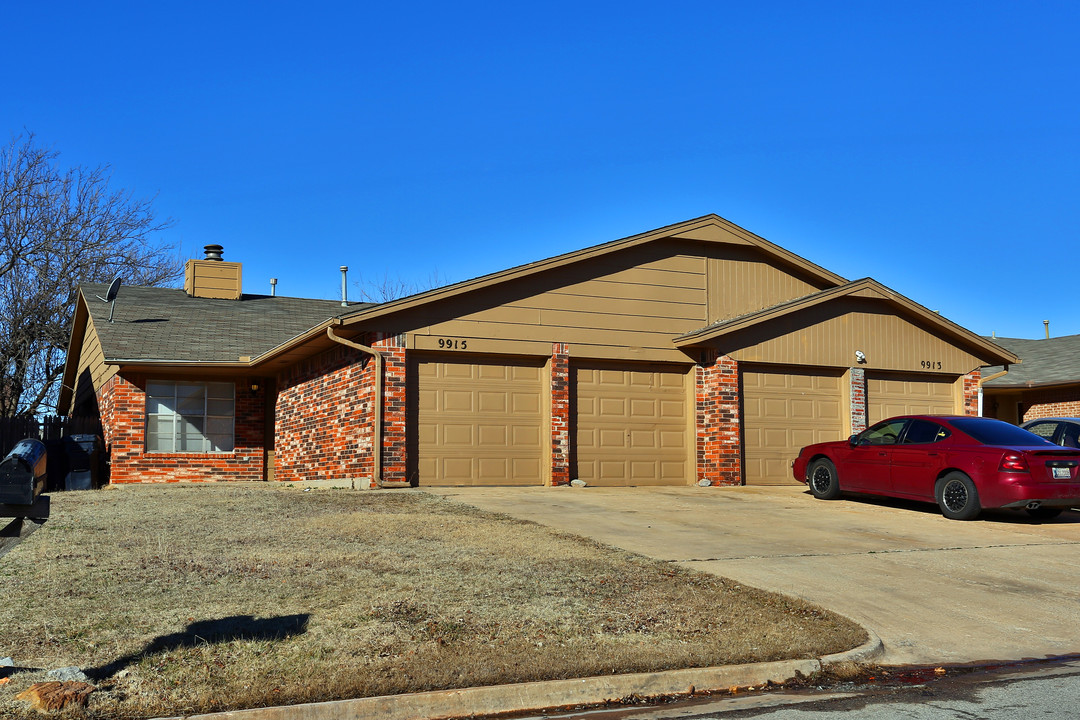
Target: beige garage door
{"x": 889, "y": 395}
{"x": 631, "y": 425}
{"x": 479, "y": 423}
{"x": 782, "y": 412}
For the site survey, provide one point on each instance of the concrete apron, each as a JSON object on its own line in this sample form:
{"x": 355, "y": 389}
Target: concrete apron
{"x": 934, "y": 590}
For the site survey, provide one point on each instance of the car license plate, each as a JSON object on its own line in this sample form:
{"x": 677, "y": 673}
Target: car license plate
{"x": 1062, "y": 473}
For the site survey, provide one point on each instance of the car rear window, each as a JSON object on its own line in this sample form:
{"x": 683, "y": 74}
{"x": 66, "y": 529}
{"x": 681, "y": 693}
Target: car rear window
{"x": 924, "y": 431}
{"x": 996, "y": 432}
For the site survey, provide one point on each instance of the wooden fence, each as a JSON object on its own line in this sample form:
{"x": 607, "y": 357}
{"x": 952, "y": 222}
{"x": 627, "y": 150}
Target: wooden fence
{"x": 48, "y": 429}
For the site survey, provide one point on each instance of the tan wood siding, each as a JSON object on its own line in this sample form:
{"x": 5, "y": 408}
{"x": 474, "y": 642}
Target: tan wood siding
{"x": 479, "y": 422}
{"x": 93, "y": 371}
{"x": 631, "y": 425}
{"x": 783, "y": 411}
{"x": 742, "y": 280}
{"x": 626, "y": 304}
{"x": 642, "y": 306}
{"x": 889, "y": 395}
{"x": 829, "y": 336}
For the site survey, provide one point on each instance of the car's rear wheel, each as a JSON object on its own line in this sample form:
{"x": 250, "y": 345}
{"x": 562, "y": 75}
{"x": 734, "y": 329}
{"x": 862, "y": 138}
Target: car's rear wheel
{"x": 822, "y": 479}
{"x": 957, "y": 497}
{"x": 1043, "y": 513}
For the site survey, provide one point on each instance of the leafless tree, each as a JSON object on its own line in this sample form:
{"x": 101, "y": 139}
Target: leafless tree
{"x": 386, "y": 288}
{"x": 58, "y": 228}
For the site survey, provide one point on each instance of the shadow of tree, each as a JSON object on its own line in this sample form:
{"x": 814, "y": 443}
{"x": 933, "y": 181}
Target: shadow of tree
{"x": 234, "y": 627}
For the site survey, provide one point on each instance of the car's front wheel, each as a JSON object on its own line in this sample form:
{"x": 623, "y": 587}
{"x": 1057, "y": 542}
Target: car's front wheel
{"x": 822, "y": 479}
{"x": 957, "y": 497}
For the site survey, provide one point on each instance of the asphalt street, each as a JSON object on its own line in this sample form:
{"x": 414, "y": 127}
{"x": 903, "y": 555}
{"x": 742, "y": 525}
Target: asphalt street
{"x": 1037, "y": 690}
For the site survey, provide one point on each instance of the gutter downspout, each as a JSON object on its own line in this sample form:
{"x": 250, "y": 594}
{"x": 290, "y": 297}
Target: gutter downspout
{"x": 376, "y": 448}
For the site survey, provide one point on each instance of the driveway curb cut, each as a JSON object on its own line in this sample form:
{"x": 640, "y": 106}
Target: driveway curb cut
{"x": 549, "y": 694}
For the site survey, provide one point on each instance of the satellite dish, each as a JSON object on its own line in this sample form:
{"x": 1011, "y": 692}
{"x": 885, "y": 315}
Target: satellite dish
{"x": 110, "y": 295}
{"x": 114, "y": 287}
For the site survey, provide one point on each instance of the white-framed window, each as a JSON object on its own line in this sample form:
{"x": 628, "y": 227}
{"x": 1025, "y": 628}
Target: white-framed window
{"x": 189, "y": 416}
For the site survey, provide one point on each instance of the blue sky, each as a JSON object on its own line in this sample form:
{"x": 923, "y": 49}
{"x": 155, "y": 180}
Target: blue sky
{"x": 933, "y": 146}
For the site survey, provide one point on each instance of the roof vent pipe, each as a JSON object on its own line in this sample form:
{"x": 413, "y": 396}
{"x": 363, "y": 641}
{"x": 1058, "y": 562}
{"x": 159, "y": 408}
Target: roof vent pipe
{"x": 344, "y": 292}
{"x": 213, "y": 252}
{"x": 273, "y": 287}
{"x": 1046, "y": 325}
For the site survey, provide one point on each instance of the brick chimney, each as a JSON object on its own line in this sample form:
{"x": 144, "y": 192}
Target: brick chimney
{"x": 212, "y": 277}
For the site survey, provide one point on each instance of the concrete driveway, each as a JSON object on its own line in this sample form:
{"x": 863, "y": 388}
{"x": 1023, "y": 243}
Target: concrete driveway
{"x": 935, "y": 590}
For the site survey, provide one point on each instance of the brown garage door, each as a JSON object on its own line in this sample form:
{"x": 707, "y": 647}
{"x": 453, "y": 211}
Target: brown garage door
{"x": 889, "y": 395}
{"x": 479, "y": 423}
{"x": 631, "y": 425}
{"x": 782, "y": 412}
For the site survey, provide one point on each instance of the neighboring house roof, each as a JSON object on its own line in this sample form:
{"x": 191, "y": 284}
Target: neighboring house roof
{"x": 866, "y": 287}
{"x": 1052, "y": 361}
{"x": 162, "y": 324}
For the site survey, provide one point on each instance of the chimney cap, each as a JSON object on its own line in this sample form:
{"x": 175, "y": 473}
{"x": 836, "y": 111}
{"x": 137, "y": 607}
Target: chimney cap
{"x": 213, "y": 252}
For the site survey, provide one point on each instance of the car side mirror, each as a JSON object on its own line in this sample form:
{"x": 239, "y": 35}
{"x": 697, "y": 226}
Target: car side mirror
{"x": 853, "y": 440}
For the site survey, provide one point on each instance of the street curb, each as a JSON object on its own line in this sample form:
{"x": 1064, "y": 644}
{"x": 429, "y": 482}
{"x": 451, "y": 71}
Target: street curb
{"x": 872, "y": 649}
{"x": 544, "y": 695}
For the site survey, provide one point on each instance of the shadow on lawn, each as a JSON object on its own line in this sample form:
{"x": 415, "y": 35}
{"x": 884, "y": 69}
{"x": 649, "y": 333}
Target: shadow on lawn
{"x": 235, "y": 627}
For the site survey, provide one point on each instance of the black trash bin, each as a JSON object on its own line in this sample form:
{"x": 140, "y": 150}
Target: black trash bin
{"x": 83, "y": 462}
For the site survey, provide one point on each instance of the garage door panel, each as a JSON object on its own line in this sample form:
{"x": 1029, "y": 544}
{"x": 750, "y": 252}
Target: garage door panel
{"x": 457, "y": 434}
{"x": 784, "y": 410}
{"x": 456, "y": 401}
{"x": 479, "y": 423}
{"x": 630, "y": 425}
{"x": 612, "y": 438}
{"x": 525, "y": 404}
{"x": 890, "y": 395}
{"x": 491, "y": 436}
{"x": 673, "y": 440}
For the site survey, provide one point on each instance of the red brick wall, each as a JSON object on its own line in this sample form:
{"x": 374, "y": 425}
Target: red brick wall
{"x": 1052, "y": 402}
{"x": 858, "y": 400}
{"x": 322, "y": 419}
{"x": 971, "y": 392}
{"x": 324, "y": 416}
{"x": 560, "y": 414}
{"x": 719, "y": 451}
{"x": 122, "y": 402}
{"x": 394, "y": 472}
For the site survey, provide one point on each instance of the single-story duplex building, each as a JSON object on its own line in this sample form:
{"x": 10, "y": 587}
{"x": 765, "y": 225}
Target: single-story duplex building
{"x": 697, "y": 353}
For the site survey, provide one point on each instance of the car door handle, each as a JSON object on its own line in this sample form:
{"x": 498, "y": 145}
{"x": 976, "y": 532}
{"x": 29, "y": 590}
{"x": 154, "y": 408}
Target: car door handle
{"x": 931, "y": 454}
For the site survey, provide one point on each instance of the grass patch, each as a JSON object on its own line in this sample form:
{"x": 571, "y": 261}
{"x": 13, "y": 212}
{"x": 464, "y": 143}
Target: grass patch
{"x": 189, "y": 599}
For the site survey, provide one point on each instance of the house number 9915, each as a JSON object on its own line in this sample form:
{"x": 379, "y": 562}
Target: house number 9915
{"x": 453, "y": 344}
{"x": 931, "y": 364}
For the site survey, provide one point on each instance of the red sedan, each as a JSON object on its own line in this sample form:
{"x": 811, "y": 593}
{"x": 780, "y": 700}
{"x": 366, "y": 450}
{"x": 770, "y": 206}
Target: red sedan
{"x": 964, "y": 464}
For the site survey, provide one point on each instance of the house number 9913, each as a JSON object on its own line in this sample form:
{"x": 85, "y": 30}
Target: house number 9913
{"x": 931, "y": 364}
{"x": 453, "y": 344}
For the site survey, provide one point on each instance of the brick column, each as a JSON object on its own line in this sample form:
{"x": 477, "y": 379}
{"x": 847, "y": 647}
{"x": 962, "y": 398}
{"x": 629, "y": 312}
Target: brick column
{"x": 971, "y": 392}
{"x": 394, "y": 461}
{"x": 560, "y": 414}
{"x": 858, "y": 400}
{"x": 719, "y": 453}
{"x": 123, "y": 417}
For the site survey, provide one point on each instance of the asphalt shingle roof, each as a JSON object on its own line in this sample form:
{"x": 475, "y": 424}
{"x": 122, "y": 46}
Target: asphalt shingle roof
{"x": 1044, "y": 362}
{"x": 165, "y": 324}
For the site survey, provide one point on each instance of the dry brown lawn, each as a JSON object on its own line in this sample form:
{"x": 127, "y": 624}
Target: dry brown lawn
{"x": 185, "y": 599}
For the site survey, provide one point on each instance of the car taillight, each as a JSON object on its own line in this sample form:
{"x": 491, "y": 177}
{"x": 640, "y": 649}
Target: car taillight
{"x": 1013, "y": 462}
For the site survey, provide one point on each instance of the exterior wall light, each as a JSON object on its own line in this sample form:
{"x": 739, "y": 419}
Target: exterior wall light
{"x": 860, "y": 356}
